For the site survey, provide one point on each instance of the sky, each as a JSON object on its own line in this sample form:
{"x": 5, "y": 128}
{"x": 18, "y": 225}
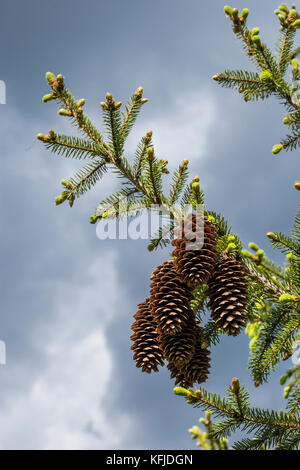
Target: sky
{"x": 68, "y": 298}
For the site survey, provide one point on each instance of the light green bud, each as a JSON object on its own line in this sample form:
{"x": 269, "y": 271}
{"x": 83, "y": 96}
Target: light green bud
{"x": 228, "y": 10}
{"x": 81, "y": 102}
{"x": 50, "y": 76}
{"x": 286, "y": 298}
{"x": 255, "y": 31}
{"x": 231, "y": 248}
{"x": 253, "y": 246}
{"x": 60, "y": 199}
{"x": 93, "y": 219}
{"x": 245, "y": 13}
{"x": 47, "y": 97}
{"x": 257, "y": 41}
{"x": 265, "y": 75}
{"x": 283, "y": 379}
{"x": 260, "y": 253}
{"x": 283, "y": 7}
{"x": 180, "y": 391}
{"x": 277, "y": 148}
{"x": 63, "y": 112}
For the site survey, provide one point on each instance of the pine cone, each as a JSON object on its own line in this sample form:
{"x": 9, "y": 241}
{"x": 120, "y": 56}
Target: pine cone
{"x": 178, "y": 349}
{"x": 169, "y": 299}
{"x": 228, "y": 295}
{"x": 196, "y": 370}
{"x": 147, "y": 351}
{"x": 195, "y": 266}
{"x": 179, "y": 376}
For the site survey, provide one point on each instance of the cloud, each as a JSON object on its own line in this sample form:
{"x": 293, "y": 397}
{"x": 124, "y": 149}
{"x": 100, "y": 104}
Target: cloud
{"x": 182, "y": 130}
{"x": 59, "y": 301}
{"x": 62, "y": 407}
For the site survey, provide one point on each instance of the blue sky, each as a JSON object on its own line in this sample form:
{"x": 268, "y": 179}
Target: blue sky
{"x": 67, "y": 298}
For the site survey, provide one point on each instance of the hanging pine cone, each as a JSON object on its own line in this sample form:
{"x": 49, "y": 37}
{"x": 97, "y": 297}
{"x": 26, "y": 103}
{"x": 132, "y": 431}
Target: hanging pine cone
{"x": 147, "y": 350}
{"x": 169, "y": 299}
{"x": 196, "y": 370}
{"x": 228, "y": 295}
{"x": 179, "y": 376}
{"x": 178, "y": 349}
{"x": 195, "y": 266}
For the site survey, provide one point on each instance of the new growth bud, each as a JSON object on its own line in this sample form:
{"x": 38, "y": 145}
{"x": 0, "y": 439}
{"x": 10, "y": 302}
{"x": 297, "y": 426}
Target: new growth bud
{"x": 66, "y": 183}
{"x": 150, "y": 153}
{"x": 283, "y": 379}
{"x": 255, "y": 32}
{"x": 277, "y": 148}
{"x": 287, "y": 120}
{"x": 109, "y": 97}
{"x": 42, "y": 137}
{"x": 286, "y": 298}
{"x": 245, "y": 14}
{"x": 47, "y": 97}
{"x": 283, "y": 7}
{"x": 228, "y": 10}
{"x": 139, "y": 92}
{"x": 265, "y": 75}
{"x": 93, "y": 219}
{"x": 295, "y": 64}
{"x": 180, "y": 391}
{"x": 297, "y": 185}
{"x": 231, "y": 248}
{"x": 257, "y": 41}
{"x": 184, "y": 163}
{"x": 64, "y": 112}
{"x": 148, "y": 136}
{"x": 253, "y": 246}
{"x": 235, "y": 13}
{"x": 52, "y": 134}
{"x": 81, "y": 103}
{"x": 196, "y": 186}
{"x": 235, "y": 385}
{"x": 60, "y": 80}
{"x": 271, "y": 236}
{"x": 61, "y": 198}
{"x": 50, "y": 77}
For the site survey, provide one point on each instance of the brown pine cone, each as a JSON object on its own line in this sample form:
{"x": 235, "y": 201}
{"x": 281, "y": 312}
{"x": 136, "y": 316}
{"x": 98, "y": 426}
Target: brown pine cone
{"x": 178, "y": 349}
{"x": 195, "y": 252}
{"x": 147, "y": 350}
{"x": 228, "y": 295}
{"x": 169, "y": 298}
{"x": 179, "y": 376}
{"x": 196, "y": 370}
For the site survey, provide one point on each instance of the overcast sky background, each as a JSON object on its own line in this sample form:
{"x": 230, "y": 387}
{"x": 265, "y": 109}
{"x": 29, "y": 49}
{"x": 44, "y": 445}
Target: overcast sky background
{"x": 67, "y": 298}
